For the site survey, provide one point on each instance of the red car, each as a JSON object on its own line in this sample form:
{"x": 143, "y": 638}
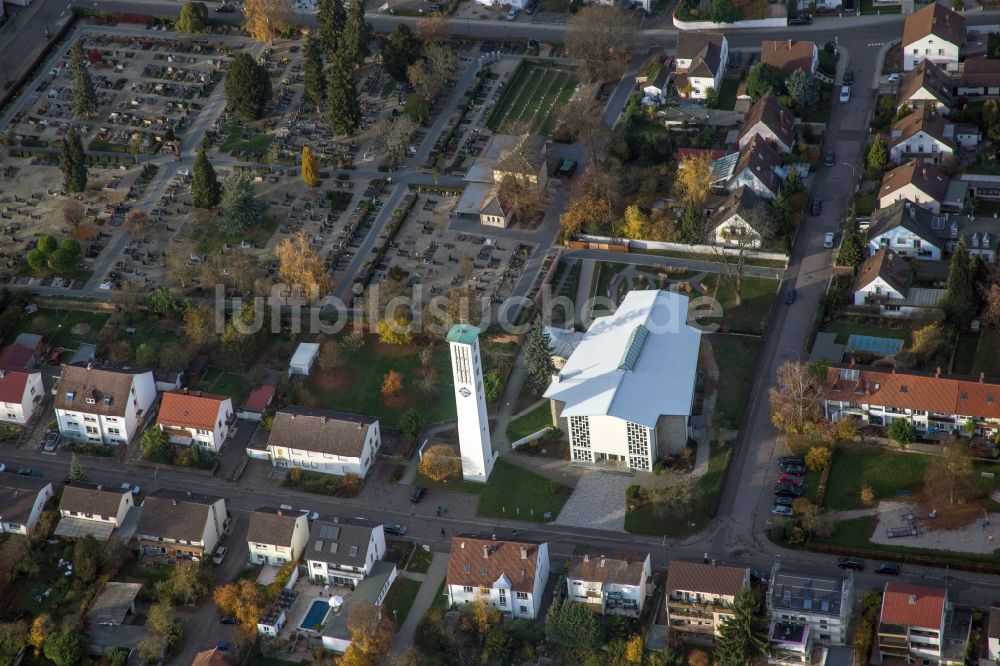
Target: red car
{"x": 790, "y": 480}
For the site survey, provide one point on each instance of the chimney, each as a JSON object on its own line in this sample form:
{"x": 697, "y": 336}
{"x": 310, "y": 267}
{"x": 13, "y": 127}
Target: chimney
{"x": 913, "y": 600}
{"x": 602, "y": 561}
{"x": 852, "y": 361}
{"x": 982, "y": 376}
{"x": 586, "y": 557}
{"x": 90, "y": 365}
{"x": 280, "y": 513}
{"x": 789, "y": 43}
{"x": 486, "y": 551}
{"x": 462, "y": 545}
{"x": 189, "y": 494}
{"x": 524, "y": 553}
{"x": 100, "y": 487}
{"x": 937, "y": 372}
{"x": 173, "y": 502}
{"x": 2, "y": 373}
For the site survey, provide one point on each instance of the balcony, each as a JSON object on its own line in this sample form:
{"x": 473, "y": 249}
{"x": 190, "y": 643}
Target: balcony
{"x": 678, "y": 601}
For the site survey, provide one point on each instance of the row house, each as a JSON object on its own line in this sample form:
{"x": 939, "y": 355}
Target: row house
{"x": 509, "y": 574}
{"x": 103, "y": 405}
{"x": 923, "y": 136}
{"x": 932, "y": 402}
{"x": 924, "y": 184}
{"x": 925, "y": 86}
{"x": 700, "y": 595}
{"x": 611, "y": 580}
{"x": 914, "y": 232}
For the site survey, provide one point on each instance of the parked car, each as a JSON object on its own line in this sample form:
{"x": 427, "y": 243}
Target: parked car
{"x": 783, "y": 500}
{"x": 828, "y": 239}
{"x": 417, "y": 494}
{"x": 228, "y": 619}
{"x": 887, "y": 568}
{"x": 791, "y": 480}
{"x": 830, "y": 159}
{"x": 220, "y": 554}
{"x": 135, "y": 490}
{"x": 225, "y": 8}
{"x": 817, "y": 207}
{"x": 27, "y": 471}
{"x": 790, "y": 296}
{"x": 287, "y": 507}
{"x": 55, "y": 358}
{"x": 735, "y": 59}
{"x": 512, "y": 14}
{"x": 51, "y": 442}
{"x": 394, "y": 529}
{"x": 848, "y": 78}
{"x": 805, "y": 19}
{"x": 222, "y": 646}
{"x": 895, "y": 77}
{"x": 311, "y": 515}
{"x": 792, "y": 468}
{"x": 791, "y": 460}
{"x": 845, "y": 94}
{"x": 855, "y": 563}
{"x": 530, "y": 9}
{"x": 782, "y": 510}
{"x": 786, "y": 489}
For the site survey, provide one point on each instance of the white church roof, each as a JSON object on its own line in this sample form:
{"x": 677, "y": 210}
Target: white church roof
{"x": 637, "y": 364}
{"x": 562, "y": 341}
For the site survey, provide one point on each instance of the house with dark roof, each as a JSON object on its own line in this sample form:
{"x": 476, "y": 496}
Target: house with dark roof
{"x": 510, "y": 574}
{"x": 20, "y": 393}
{"x": 771, "y": 121}
{"x": 909, "y": 230}
{"x": 180, "y": 524}
{"x": 738, "y": 219}
{"x": 276, "y": 536}
{"x": 193, "y": 418}
{"x": 924, "y": 136}
{"x": 93, "y": 509}
{"x": 22, "y": 499}
{"x": 934, "y": 33}
{"x": 821, "y": 603}
{"x": 701, "y": 61}
{"x": 912, "y": 623}
{"x": 319, "y": 440}
{"x": 789, "y": 55}
{"x": 613, "y": 580}
{"x": 342, "y": 551}
{"x": 932, "y": 402}
{"x": 758, "y": 168}
{"x": 700, "y": 594}
{"x": 335, "y": 635}
{"x": 924, "y": 184}
{"x": 978, "y": 78}
{"x": 102, "y": 405}
{"x": 926, "y": 84}
{"x": 885, "y": 281}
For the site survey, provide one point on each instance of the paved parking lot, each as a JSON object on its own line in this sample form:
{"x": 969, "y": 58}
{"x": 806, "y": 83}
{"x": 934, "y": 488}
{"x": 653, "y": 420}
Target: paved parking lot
{"x": 598, "y": 501}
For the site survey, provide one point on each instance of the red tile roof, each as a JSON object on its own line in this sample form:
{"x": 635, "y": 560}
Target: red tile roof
{"x": 913, "y": 605}
{"x": 12, "y": 384}
{"x": 190, "y": 409}
{"x": 925, "y": 177}
{"x": 476, "y": 562}
{"x": 260, "y": 397}
{"x": 15, "y": 356}
{"x": 920, "y": 120}
{"x": 980, "y": 72}
{"x": 696, "y": 576}
{"x": 788, "y": 55}
{"x": 937, "y": 20}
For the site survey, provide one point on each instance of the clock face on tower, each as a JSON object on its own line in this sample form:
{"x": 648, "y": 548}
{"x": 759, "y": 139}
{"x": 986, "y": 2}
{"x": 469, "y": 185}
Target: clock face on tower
{"x": 464, "y": 392}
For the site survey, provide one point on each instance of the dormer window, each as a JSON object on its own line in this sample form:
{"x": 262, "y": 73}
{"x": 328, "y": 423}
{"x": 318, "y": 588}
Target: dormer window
{"x": 904, "y": 389}
{"x": 70, "y": 395}
{"x": 963, "y": 396}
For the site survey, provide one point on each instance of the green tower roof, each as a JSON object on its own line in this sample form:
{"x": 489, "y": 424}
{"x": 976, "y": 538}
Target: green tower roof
{"x": 463, "y": 333}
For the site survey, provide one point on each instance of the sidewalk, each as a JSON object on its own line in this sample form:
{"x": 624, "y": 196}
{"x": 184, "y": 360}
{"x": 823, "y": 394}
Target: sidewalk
{"x": 425, "y": 597}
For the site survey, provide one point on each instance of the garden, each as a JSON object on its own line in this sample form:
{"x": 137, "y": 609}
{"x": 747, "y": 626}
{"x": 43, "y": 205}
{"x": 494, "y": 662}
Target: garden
{"x": 67, "y": 329}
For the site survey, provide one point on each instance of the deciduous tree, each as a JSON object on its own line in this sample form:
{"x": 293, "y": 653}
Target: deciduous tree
{"x": 635, "y": 223}
{"x": 602, "y": 36}
{"x": 392, "y": 384}
{"x": 818, "y": 458}
{"x": 902, "y": 431}
{"x": 572, "y": 624}
{"x": 193, "y": 18}
{"x": 724, "y": 11}
{"x": 743, "y": 636}
{"x": 244, "y": 600}
{"x": 794, "y": 398}
{"x": 299, "y": 265}
{"x": 41, "y": 628}
{"x": 83, "y": 97}
{"x": 740, "y": 244}
{"x": 439, "y": 463}
{"x": 952, "y": 479}
{"x": 205, "y": 189}
{"x": 694, "y": 176}
{"x": 248, "y": 85}
{"x": 330, "y": 355}
{"x": 66, "y": 649}
{"x": 592, "y": 204}
{"x": 199, "y": 324}
{"x": 763, "y": 78}
{"x": 434, "y": 28}
{"x": 371, "y": 636}
{"x": 162, "y": 620}
{"x": 266, "y": 20}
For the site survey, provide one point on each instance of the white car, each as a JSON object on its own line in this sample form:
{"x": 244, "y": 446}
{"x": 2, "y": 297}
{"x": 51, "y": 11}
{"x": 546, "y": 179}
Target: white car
{"x": 131, "y": 487}
{"x": 828, "y": 239}
{"x": 220, "y": 554}
{"x": 311, "y": 515}
{"x": 895, "y": 77}
{"x": 845, "y": 94}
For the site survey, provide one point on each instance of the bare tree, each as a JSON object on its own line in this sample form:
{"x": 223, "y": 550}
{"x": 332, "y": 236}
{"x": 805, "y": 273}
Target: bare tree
{"x": 603, "y": 37}
{"x": 392, "y": 137}
{"x": 583, "y": 118}
{"x": 794, "y": 398}
{"x": 434, "y": 28}
{"x": 741, "y": 240}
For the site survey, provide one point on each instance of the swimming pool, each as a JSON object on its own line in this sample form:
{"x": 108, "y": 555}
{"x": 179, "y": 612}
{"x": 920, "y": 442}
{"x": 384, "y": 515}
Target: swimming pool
{"x": 317, "y": 613}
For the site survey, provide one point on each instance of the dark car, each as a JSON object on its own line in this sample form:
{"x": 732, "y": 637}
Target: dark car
{"x": 848, "y": 78}
{"x": 51, "y": 442}
{"x": 417, "y": 494}
{"x": 27, "y": 471}
{"x": 531, "y": 7}
{"x": 791, "y": 460}
{"x": 830, "y": 159}
{"x": 228, "y": 619}
{"x": 817, "y": 207}
{"x": 855, "y": 563}
{"x": 790, "y": 296}
{"x": 792, "y": 468}
{"x": 222, "y": 646}
{"x": 805, "y": 19}
{"x": 887, "y": 568}
{"x": 783, "y": 500}
{"x": 393, "y": 528}
{"x": 225, "y": 8}
{"x": 787, "y": 490}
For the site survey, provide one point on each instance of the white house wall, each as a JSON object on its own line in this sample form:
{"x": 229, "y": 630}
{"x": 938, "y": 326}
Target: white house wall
{"x": 932, "y": 48}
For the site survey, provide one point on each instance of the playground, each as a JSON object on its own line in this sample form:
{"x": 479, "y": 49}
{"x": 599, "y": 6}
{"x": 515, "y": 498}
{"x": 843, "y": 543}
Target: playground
{"x": 905, "y": 524}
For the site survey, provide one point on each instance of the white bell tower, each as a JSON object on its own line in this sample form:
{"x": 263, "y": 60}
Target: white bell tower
{"x": 470, "y": 402}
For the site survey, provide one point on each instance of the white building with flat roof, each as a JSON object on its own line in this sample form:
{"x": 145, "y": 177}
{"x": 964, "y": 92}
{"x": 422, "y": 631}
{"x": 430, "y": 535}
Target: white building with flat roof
{"x": 626, "y": 392}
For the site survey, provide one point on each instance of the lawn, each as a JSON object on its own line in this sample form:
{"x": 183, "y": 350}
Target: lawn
{"x": 232, "y": 384}
{"x": 512, "y": 492}
{"x": 534, "y": 96}
{"x": 257, "y": 143}
{"x": 844, "y": 330}
{"x": 737, "y": 359}
{"x": 726, "y": 99}
{"x": 886, "y": 472}
{"x": 758, "y": 299}
{"x": 965, "y": 353}
{"x": 56, "y": 326}
{"x": 210, "y": 236}
{"x": 400, "y": 598}
{"x": 987, "y": 350}
{"x": 420, "y": 561}
{"x": 657, "y": 520}
{"x": 441, "y": 598}
{"x": 356, "y": 385}
{"x": 153, "y": 332}
{"x": 528, "y": 424}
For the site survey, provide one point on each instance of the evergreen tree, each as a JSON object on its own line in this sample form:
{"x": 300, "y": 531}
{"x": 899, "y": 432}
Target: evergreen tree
{"x": 852, "y": 249}
{"x": 193, "y": 18}
{"x": 357, "y": 33}
{"x": 691, "y": 232}
{"x": 960, "y": 297}
{"x": 82, "y": 96}
{"x": 343, "y": 110}
{"x": 76, "y": 474}
{"x": 240, "y": 207}
{"x": 877, "y": 158}
{"x": 204, "y": 182}
{"x": 73, "y": 162}
{"x": 331, "y": 19}
{"x": 763, "y": 78}
{"x": 248, "y": 87}
{"x": 538, "y": 356}
{"x": 400, "y": 50}
{"x": 743, "y": 636}
{"x": 310, "y": 170}
{"x": 314, "y": 81}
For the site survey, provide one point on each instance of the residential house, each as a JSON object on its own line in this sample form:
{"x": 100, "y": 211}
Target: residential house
{"x": 993, "y": 634}
{"x": 759, "y": 168}
{"x": 885, "y": 281}
{"x": 625, "y": 395}
{"x": 92, "y": 509}
{"x": 739, "y": 219}
{"x": 701, "y": 61}
{"x": 507, "y": 573}
{"x": 303, "y": 358}
{"x": 181, "y": 524}
{"x": 934, "y": 33}
{"x": 791, "y": 644}
{"x": 926, "y": 85}
{"x": 822, "y": 603}
{"x": 193, "y": 418}
{"x": 342, "y": 551}
{"x": 277, "y": 536}
{"x": 922, "y": 136}
{"x": 932, "y": 402}
{"x": 921, "y": 183}
{"x": 612, "y": 580}
{"x": 914, "y": 625}
{"x": 654, "y": 91}
{"x": 257, "y": 402}
{"x": 968, "y": 136}
{"x": 978, "y": 78}
{"x": 910, "y": 230}
{"x": 789, "y": 55}
{"x": 700, "y": 594}
{"x": 103, "y": 405}
{"x": 20, "y": 392}
{"x": 335, "y": 635}
{"x": 322, "y": 441}
{"x": 771, "y": 121}
{"x": 22, "y": 499}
